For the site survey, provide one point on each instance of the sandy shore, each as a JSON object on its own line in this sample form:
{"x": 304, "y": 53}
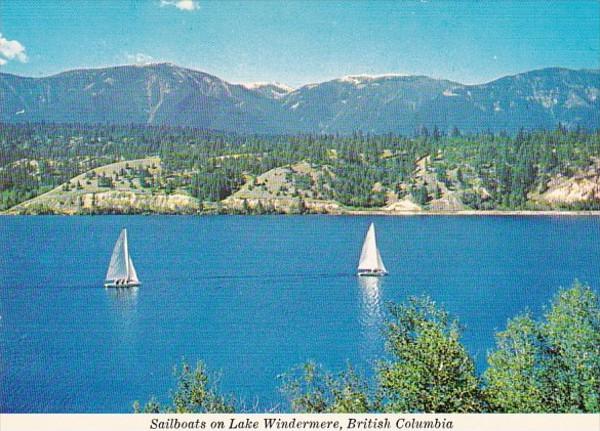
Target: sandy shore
{"x": 473, "y": 213}
{"x": 380, "y": 212}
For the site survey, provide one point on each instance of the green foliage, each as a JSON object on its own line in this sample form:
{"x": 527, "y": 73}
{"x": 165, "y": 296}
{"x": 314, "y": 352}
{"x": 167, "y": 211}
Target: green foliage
{"x": 572, "y": 335}
{"x": 302, "y": 181}
{"x": 431, "y": 370}
{"x": 459, "y": 177}
{"x": 421, "y": 195}
{"x": 211, "y": 165}
{"x": 552, "y": 365}
{"x": 546, "y": 366}
{"x": 104, "y": 181}
{"x": 196, "y": 392}
{"x": 514, "y": 377}
{"x": 312, "y": 390}
{"x": 39, "y": 209}
{"x": 151, "y": 406}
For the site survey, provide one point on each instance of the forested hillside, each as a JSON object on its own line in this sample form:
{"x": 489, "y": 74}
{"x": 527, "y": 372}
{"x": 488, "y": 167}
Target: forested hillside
{"x": 305, "y": 173}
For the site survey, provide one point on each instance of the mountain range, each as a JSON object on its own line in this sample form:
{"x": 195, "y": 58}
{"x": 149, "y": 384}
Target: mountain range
{"x": 166, "y": 94}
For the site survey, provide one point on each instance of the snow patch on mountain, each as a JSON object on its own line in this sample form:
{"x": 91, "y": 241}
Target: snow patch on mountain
{"x": 449, "y": 93}
{"x": 275, "y": 90}
{"x": 255, "y": 85}
{"x": 364, "y": 78}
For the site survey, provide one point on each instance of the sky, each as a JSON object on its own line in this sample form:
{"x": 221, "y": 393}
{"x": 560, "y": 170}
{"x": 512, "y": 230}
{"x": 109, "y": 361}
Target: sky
{"x": 300, "y": 42}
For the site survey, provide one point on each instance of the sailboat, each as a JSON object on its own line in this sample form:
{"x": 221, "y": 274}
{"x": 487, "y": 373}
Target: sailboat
{"x": 370, "y": 263}
{"x": 121, "y": 272}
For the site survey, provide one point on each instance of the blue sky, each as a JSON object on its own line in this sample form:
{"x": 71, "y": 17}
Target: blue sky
{"x": 298, "y": 42}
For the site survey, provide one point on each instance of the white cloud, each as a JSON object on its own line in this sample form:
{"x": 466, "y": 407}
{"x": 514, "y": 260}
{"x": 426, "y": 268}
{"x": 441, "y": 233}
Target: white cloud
{"x": 140, "y": 58}
{"x": 188, "y": 5}
{"x": 11, "y": 50}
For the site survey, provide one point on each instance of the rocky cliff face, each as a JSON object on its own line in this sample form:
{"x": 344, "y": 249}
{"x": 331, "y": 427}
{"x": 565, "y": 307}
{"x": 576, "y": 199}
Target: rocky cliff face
{"x": 109, "y": 202}
{"x": 583, "y": 187}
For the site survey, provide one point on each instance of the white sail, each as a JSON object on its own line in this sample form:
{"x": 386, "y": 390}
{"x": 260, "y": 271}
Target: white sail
{"x": 121, "y": 272}
{"x": 132, "y": 274}
{"x": 370, "y": 258}
{"x": 119, "y": 261}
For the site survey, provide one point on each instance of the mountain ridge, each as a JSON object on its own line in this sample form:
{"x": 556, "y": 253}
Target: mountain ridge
{"x": 167, "y": 94}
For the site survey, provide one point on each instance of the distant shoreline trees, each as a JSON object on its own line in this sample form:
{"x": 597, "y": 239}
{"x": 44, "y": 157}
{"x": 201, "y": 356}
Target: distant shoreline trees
{"x": 491, "y": 171}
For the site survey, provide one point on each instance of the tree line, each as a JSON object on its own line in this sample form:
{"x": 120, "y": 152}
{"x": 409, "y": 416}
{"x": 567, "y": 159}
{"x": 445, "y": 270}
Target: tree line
{"x": 212, "y": 165}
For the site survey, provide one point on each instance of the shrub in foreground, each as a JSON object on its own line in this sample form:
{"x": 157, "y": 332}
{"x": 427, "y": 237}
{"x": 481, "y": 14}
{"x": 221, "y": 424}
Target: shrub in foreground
{"x": 552, "y": 365}
{"x": 431, "y": 370}
{"x": 547, "y": 366}
{"x": 196, "y": 393}
{"x": 313, "y": 390}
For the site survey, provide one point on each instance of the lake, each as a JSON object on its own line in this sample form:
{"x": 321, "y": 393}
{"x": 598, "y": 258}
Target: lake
{"x": 253, "y": 296}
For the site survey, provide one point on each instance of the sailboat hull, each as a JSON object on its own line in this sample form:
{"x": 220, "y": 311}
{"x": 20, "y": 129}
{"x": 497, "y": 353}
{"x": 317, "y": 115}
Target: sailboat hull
{"x": 124, "y": 284}
{"x": 372, "y": 273}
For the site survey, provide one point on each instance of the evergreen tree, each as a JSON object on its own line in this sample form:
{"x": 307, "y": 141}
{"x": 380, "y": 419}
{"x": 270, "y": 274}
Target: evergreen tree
{"x": 422, "y": 195}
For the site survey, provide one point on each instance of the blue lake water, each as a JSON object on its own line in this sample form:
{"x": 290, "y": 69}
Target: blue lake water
{"x": 252, "y": 296}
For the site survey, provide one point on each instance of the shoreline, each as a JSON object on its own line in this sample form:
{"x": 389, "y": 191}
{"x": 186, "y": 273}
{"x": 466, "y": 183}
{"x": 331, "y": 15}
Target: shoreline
{"x": 512, "y": 213}
{"x": 361, "y": 213}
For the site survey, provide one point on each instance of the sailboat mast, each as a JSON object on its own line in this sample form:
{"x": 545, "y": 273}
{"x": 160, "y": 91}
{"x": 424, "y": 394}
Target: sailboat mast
{"x": 126, "y": 252}
{"x": 372, "y": 227}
